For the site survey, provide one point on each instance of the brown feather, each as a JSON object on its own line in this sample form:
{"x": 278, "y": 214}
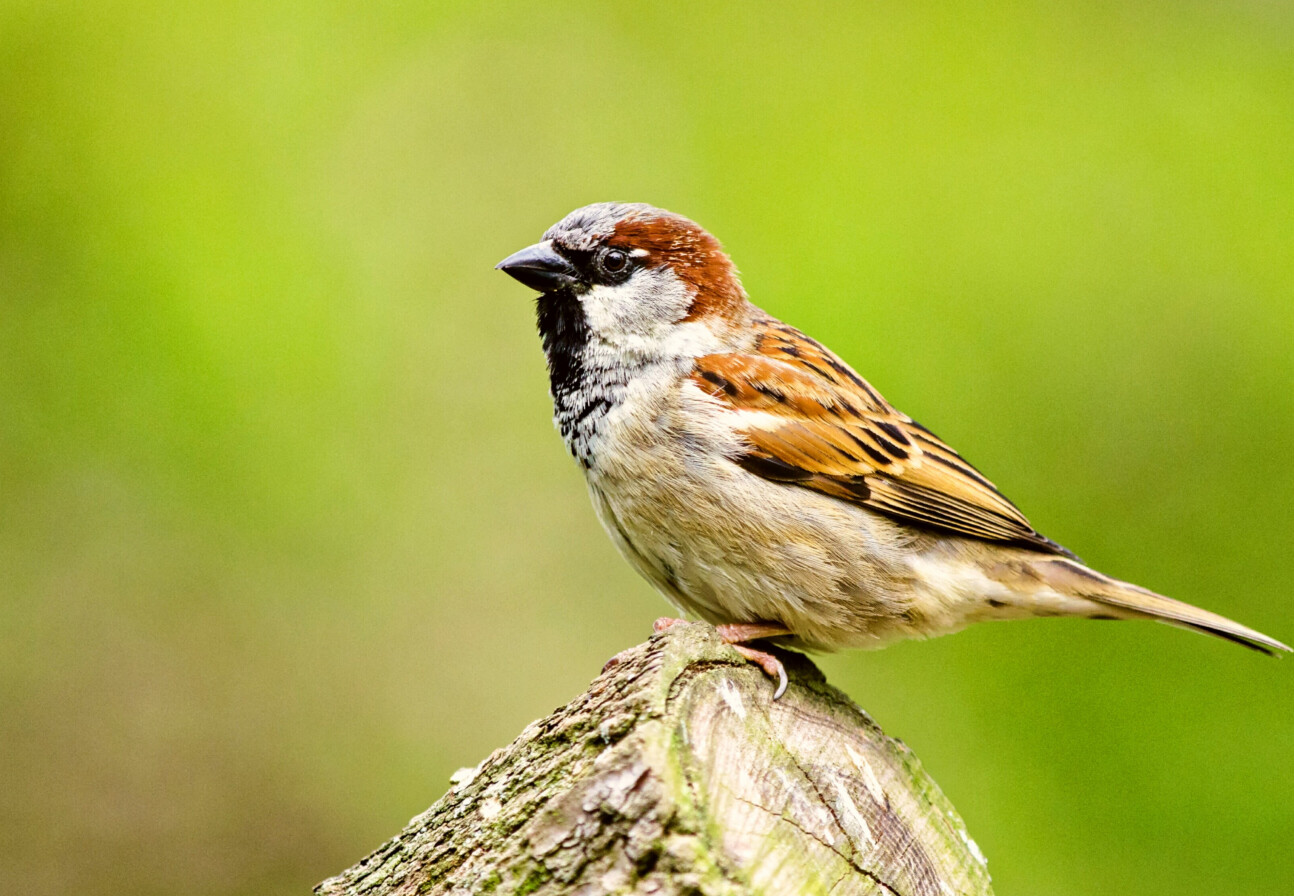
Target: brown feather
{"x": 692, "y": 254}
{"x": 811, "y": 420}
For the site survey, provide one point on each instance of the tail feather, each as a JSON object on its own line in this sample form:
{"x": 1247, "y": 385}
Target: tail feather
{"x": 1073, "y": 578}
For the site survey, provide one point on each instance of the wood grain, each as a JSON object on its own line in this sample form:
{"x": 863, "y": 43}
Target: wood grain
{"x": 675, "y": 773}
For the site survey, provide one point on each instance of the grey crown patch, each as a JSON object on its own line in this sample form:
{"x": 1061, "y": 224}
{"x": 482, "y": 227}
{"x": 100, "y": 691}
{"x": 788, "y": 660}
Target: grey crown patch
{"x": 586, "y": 228}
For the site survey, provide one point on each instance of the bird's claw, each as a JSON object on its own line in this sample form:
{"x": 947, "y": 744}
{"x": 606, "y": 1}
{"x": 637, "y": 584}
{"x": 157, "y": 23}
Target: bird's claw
{"x": 771, "y": 665}
{"x": 735, "y": 634}
{"x": 665, "y": 623}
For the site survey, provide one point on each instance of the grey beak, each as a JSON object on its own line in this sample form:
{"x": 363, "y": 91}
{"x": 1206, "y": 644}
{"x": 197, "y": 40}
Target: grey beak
{"x": 539, "y": 267}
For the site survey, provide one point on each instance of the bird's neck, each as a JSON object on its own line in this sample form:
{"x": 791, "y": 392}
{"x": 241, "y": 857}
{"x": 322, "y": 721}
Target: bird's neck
{"x": 584, "y": 378}
{"x": 589, "y": 372}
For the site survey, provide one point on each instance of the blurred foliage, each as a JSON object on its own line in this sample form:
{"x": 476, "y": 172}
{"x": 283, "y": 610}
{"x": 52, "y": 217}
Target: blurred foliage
{"x": 287, "y": 536}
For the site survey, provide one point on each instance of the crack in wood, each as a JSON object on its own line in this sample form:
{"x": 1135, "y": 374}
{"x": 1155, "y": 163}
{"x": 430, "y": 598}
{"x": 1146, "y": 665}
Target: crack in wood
{"x": 813, "y": 835}
{"x": 624, "y": 790}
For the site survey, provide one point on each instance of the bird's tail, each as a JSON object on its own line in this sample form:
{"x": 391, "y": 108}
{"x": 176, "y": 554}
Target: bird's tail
{"x": 1132, "y": 602}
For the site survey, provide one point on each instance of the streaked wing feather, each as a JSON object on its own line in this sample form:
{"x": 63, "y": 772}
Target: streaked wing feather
{"x": 812, "y": 421}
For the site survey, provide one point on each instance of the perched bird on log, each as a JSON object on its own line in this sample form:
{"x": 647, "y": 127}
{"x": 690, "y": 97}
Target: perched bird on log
{"x": 758, "y": 482}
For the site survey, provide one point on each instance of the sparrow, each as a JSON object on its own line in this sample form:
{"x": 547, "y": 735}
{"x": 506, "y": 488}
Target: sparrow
{"x": 758, "y": 482}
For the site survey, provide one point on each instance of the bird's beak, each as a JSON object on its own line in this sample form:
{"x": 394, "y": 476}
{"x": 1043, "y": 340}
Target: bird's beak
{"x": 539, "y": 267}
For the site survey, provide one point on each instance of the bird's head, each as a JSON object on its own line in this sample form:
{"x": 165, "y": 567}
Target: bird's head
{"x": 625, "y": 272}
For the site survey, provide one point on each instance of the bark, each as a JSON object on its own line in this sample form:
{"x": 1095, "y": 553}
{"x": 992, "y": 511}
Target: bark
{"x": 676, "y": 773}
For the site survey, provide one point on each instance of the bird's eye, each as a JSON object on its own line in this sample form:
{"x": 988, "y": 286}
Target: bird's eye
{"x": 614, "y": 261}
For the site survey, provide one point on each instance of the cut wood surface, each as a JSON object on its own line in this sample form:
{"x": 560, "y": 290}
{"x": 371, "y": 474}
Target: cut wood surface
{"x": 676, "y": 773}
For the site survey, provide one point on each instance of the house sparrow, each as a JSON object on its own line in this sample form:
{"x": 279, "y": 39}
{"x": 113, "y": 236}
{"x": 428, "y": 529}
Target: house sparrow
{"x": 758, "y": 482}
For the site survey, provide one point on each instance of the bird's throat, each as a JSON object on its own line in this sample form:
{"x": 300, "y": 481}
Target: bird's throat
{"x": 564, "y": 332}
{"x": 583, "y": 390}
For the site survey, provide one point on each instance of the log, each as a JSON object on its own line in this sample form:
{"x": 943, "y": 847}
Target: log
{"x": 676, "y": 773}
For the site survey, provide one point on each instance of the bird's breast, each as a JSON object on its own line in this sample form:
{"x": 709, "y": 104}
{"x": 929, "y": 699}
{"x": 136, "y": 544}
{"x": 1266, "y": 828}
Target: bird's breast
{"x": 619, "y": 409}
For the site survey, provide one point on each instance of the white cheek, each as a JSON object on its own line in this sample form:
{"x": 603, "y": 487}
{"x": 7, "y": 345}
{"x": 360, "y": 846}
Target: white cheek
{"x": 641, "y": 306}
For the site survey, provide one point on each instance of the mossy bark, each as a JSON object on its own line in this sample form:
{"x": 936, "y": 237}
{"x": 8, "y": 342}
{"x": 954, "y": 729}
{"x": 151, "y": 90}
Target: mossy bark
{"x": 676, "y": 773}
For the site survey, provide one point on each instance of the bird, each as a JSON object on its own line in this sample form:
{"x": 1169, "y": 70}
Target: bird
{"x": 762, "y": 485}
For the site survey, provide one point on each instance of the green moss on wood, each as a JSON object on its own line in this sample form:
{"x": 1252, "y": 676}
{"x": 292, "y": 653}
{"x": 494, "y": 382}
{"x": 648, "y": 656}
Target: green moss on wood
{"x": 676, "y": 773}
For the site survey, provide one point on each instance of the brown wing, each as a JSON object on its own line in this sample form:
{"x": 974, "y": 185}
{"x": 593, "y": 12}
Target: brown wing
{"x": 811, "y": 420}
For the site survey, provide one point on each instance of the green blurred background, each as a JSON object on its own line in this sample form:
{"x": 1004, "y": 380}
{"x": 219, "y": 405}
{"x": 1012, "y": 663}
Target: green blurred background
{"x": 286, "y": 536}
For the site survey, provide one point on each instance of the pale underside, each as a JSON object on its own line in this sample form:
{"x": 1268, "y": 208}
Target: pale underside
{"x": 729, "y": 546}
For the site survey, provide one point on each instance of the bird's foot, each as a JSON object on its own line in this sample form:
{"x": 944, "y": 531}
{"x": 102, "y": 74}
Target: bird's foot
{"x": 771, "y": 665}
{"x": 662, "y": 624}
{"x": 665, "y": 623}
{"x": 738, "y": 633}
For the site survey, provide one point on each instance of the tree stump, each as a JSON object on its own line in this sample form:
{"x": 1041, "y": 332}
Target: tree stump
{"x": 676, "y": 773}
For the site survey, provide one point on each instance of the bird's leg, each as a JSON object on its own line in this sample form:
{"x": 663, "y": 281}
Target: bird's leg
{"x": 741, "y": 632}
{"x": 738, "y": 633}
